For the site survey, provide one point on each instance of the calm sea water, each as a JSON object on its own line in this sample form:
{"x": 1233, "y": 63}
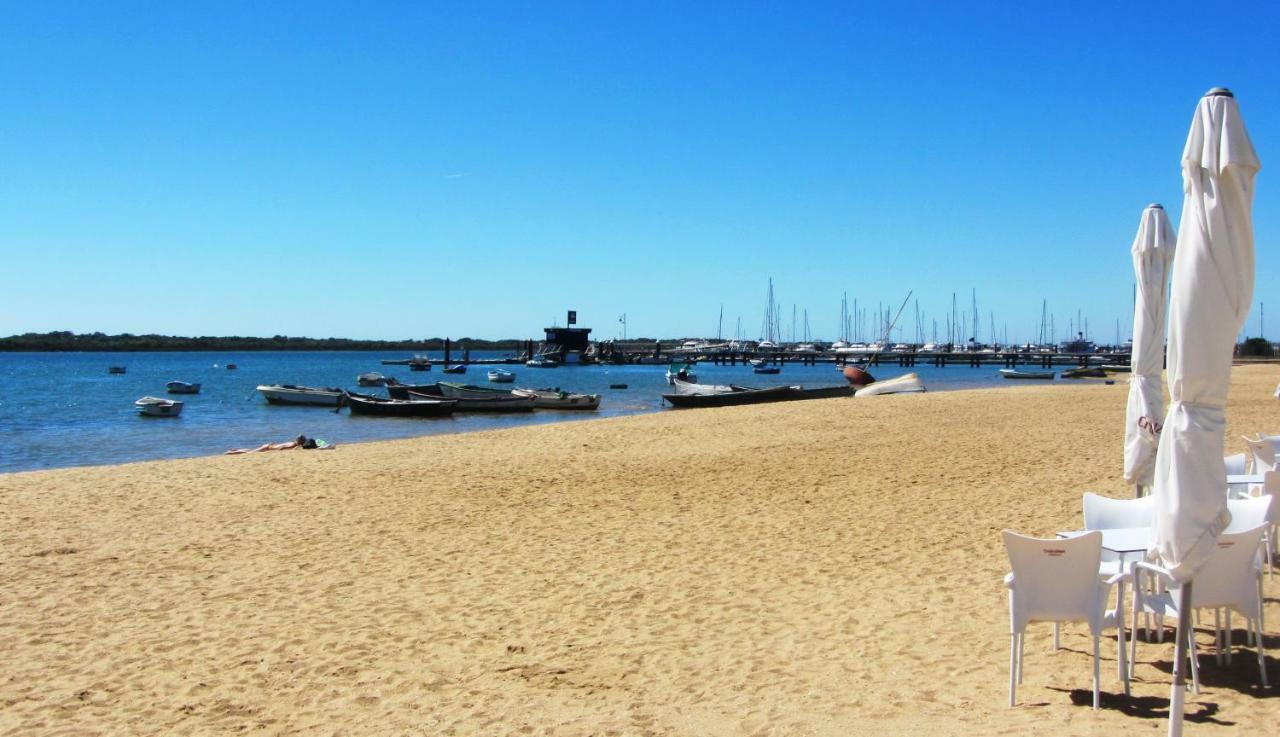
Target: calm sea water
{"x": 63, "y": 409}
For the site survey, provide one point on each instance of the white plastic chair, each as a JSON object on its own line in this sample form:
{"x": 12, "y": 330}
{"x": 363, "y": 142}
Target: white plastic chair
{"x": 1270, "y": 487}
{"x": 1057, "y": 581}
{"x": 1105, "y": 513}
{"x": 1228, "y": 579}
{"x": 1262, "y": 453}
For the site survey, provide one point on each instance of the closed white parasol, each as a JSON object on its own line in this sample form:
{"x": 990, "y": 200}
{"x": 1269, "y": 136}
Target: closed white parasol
{"x": 1211, "y": 292}
{"x": 1152, "y": 252}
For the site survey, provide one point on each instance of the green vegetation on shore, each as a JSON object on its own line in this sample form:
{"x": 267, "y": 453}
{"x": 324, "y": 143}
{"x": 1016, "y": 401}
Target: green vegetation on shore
{"x": 67, "y": 341}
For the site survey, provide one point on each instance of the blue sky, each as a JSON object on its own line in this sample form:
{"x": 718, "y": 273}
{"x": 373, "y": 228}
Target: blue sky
{"x": 475, "y": 169}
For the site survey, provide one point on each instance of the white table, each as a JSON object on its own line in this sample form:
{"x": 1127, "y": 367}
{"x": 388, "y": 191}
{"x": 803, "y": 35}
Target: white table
{"x": 1123, "y": 540}
{"x": 1246, "y": 478}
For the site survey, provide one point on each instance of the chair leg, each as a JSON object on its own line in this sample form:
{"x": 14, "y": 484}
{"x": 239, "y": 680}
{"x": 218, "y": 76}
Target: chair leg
{"x": 1022, "y": 641}
{"x": 1195, "y": 658}
{"x": 1122, "y": 663}
{"x": 1013, "y": 666}
{"x": 1262, "y": 658}
{"x": 1217, "y": 635}
{"x": 1226, "y": 637}
{"x": 1097, "y": 668}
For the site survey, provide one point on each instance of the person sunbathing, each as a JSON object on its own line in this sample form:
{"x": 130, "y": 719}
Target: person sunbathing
{"x": 302, "y": 441}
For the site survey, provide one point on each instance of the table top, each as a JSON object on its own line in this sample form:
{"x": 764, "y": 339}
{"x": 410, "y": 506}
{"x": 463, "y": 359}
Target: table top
{"x": 1246, "y": 478}
{"x": 1121, "y": 539}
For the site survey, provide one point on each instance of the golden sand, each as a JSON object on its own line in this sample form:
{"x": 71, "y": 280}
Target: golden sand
{"x": 829, "y": 568}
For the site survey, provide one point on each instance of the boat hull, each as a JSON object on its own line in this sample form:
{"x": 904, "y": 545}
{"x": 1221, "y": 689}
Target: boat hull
{"x": 300, "y": 395}
{"x": 155, "y": 407}
{"x": 1015, "y": 374}
{"x": 482, "y": 404}
{"x": 734, "y": 398}
{"x": 364, "y": 404}
{"x": 182, "y": 387}
{"x": 560, "y": 400}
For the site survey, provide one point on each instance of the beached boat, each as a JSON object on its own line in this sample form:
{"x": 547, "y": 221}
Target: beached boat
{"x": 366, "y": 404}
{"x": 1020, "y": 374}
{"x": 542, "y": 362}
{"x": 373, "y": 378}
{"x": 501, "y": 376}
{"x": 689, "y": 387}
{"x": 555, "y": 399}
{"x": 302, "y": 395}
{"x": 1085, "y": 372}
{"x": 458, "y": 369}
{"x": 182, "y": 387}
{"x": 510, "y": 403}
{"x": 158, "y": 407}
{"x": 464, "y": 391}
{"x": 740, "y": 395}
{"x": 681, "y": 372}
{"x": 904, "y": 384}
{"x": 115, "y": 369}
{"x": 826, "y": 392}
{"x": 1116, "y": 368}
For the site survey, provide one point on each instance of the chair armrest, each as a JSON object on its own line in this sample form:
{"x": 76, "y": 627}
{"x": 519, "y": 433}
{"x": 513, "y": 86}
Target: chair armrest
{"x": 1121, "y": 576}
{"x": 1008, "y": 580}
{"x": 1162, "y": 573}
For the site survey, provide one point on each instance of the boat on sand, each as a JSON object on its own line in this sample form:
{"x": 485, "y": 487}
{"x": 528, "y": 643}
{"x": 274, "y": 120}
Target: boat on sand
{"x": 367, "y": 404}
{"x": 556, "y": 399}
{"x": 905, "y": 384}
{"x": 1020, "y": 374}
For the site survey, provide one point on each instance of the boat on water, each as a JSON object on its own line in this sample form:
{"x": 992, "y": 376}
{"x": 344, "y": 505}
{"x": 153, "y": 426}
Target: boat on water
{"x": 462, "y": 391}
{"x": 1085, "y": 372}
{"x": 405, "y": 361}
{"x": 737, "y": 396}
{"x": 542, "y": 362}
{"x": 508, "y": 403}
{"x": 367, "y": 404}
{"x": 689, "y": 387}
{"x": 767, "y": 370}
{"x": 682, "y": 372}
{"x": 182, "y": 387}
{"x": 304, "y": 395}
{"x": 1020, "y": 374}
{"x": 556, "y": 399}
{"x": 115, "y": 369}
{"x": 501, "y": 376}
{"x": 423, "y": 365}
{"x": 907, "y": 383}
{"x": 373, "y": 378}
{"x": 232, "y": 367}
{"x": 458, "y": 369}
{"x": 158, "y": 407}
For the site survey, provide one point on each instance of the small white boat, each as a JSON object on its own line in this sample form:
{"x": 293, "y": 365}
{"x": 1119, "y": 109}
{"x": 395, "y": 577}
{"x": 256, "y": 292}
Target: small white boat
{"x": 501, "y": 376}
{"x": 1019, "y": 374}
{"x": 373, "y": 378}
{"x": 897, "y": 385}
{"x": 158, "y": 407}
{"x": 554, "y": 399}
{"x": 542, "y": 362}
{"x": 686, "y": 387}
{"x": 182, "y": 387}
{"x": 308, "y": 395}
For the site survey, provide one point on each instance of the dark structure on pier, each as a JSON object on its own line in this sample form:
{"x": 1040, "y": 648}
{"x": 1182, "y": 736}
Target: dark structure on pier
{"x": 566, "y": 344}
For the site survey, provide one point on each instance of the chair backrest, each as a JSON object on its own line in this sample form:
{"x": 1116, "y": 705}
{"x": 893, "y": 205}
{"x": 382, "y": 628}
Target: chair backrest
{"x": 1236, "y": 464}
{"x": 1055, "y": 579}
{"x": 1270, "y": 486}
{"x": 1104, "y": 513}
{"x": 1228, "y": 576}
{"x": 1262, "y": 452}
{"x": 1249, "y": 512}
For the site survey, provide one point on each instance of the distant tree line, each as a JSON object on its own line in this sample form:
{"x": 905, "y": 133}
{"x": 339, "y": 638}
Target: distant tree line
{"x": 62, "y": 340}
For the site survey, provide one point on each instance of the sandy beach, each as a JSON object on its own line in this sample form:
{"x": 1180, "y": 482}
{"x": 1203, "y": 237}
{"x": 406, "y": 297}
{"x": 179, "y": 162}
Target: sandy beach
{"x": 812, "y": 568}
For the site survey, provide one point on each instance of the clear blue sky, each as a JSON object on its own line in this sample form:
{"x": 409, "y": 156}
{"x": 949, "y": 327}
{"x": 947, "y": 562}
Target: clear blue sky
{"x": 390, "y": 170}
